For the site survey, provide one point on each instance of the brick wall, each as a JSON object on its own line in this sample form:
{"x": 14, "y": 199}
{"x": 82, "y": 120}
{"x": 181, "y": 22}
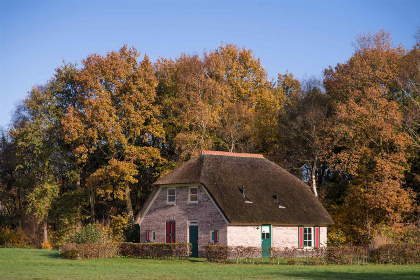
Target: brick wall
{"x": 205, "y": 212}
{"x": 244, "y": 236}
{"x": 281, "y": 236}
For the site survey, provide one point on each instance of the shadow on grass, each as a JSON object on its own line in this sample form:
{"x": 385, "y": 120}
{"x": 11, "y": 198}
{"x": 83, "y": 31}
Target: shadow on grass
{"x": 52, "y": 254}
{"x": 318, "y": 275}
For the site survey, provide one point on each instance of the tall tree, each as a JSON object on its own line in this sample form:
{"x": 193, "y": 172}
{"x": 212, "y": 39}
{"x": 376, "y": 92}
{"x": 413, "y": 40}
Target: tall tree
{"x": 302, "y": 129}
{"x": 113, "y": 125}
{"x": 367, "y": 138}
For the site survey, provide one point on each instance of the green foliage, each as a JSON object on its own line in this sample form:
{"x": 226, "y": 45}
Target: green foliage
{"x": 90, "y": 234}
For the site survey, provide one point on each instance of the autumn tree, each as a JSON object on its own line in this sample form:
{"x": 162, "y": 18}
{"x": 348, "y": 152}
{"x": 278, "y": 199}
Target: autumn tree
{"x": 367, "y": 139}
{"x": 302, "y": 129}
{"x": 113, "y": 123}
{"x": 221, "y": 101}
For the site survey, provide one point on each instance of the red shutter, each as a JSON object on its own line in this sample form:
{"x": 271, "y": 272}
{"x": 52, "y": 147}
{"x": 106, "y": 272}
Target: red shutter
{"x": 300, "y": 242}
{"x": 148, "y": 236}
{"x": 317, "y": 234}
{"x": 173, "y": 231}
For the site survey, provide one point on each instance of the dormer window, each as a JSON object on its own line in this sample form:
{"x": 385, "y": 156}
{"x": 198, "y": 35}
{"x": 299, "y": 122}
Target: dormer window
{"x": 193, "y": 197}
{"x": 171, "y": 195}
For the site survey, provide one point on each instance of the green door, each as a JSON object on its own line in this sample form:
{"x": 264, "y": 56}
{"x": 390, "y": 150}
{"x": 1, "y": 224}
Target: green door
{"x": 194, "y": 240}
{"x": 266, "y": 240}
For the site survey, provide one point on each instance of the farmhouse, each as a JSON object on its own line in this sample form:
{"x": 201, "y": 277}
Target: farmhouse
{"x": 233, "y": 199}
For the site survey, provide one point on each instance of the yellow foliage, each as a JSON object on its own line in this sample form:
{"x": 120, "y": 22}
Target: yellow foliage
{"x": 46, "y": 245}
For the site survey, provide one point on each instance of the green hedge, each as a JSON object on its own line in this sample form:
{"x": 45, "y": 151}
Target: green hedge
{"x": 155, "y": 250}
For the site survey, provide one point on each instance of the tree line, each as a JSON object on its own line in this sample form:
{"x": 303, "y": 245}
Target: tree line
{"x": 86, "y": 146}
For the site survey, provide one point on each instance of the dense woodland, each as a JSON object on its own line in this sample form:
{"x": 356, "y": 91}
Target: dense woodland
{"x": 86, "y": 146}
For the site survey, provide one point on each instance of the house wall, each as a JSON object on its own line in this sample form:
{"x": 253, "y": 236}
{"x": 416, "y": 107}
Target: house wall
{"x": 248, "y": 236}
{"x": 281, "y": 236}
{"x": 205, "y": 212}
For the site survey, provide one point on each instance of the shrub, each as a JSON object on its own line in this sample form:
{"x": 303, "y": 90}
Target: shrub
{"x": 216, "y": 253}
{"x": 396, "y": 254}
{"x": 13, "y": 238}
{"x": 347, "y": 254}
{"x": 155, "y": 250}
{"x": 46, "y": 245}
{"x": 90, "y": 234}
{"x": 222, "y": 253}
{"x": 89, "y": 251}
{"x": 313, "y": 256}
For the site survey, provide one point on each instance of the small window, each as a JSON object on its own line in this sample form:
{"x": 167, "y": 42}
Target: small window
{"x": 193, "y": 195}
{"x": 171, "y": 195}
{"x": 214, "y": 236}
{"x": 150, "y": 236}
{"x": 265, "y": 232}
{"x": 307, "y": 237}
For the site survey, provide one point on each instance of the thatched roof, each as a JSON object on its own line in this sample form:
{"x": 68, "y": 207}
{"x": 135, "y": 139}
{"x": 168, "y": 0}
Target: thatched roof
{"x": 224, "y": 175}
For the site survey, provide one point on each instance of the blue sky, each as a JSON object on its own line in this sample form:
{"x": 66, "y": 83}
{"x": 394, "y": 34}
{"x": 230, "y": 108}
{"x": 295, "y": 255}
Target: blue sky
{"x": 303, "y": 37}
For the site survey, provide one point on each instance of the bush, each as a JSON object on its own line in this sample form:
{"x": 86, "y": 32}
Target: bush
{"x": 89, "y": 251}
{"x": 155, "y": 250}
{"x": 90, "y": 234}
{"x": 314, "y": 256}
{"x": 216, "y": 253}
{"x": 13, "y": 238}
{"x": 221, "y": 253}
{"x": 347, "y": 254}
{"x": 396, "y": 254}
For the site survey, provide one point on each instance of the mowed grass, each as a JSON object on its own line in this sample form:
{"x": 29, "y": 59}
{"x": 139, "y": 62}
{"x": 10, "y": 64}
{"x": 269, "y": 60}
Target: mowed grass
{"x": 43, "y": 264}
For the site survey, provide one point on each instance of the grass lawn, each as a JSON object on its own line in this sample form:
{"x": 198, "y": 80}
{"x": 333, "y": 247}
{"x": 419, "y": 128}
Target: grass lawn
{"x": 43, "y": 264}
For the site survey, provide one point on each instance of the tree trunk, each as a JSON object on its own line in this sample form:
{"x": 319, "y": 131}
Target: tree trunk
{"x": 44, "y": 231}
{"x": 313, "y": 177}
{"x": 92, "y": 207}
{"x": 129, "y": 205}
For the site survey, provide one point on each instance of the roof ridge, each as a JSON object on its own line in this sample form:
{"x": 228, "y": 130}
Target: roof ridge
{"x": 231, "y": 154}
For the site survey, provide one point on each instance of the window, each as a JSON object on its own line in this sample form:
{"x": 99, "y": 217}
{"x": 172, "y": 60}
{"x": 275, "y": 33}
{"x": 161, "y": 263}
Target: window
{"x": 265, "y": 232}
{"x": 193, "y": 195}
{"x": 150, "y": 236}
{"x": 214, "y": 236}
{"x": 307, "y": 237}
{"x": 171, "y": 195}
{"x": 170, "y": 231}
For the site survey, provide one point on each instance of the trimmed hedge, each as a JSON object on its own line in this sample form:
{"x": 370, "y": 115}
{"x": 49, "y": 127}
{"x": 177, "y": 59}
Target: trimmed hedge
{"x": 155, "y": 250}
{"x": 89, "y": 251}
{"x": 125, "y": 249}
{"x": 347, "y": 254}
{"x": 396, "y": 254}
{"x": 221, "y": 253}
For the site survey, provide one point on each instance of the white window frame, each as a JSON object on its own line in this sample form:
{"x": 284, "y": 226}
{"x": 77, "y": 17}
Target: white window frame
{"x": 189, "y": 195}
{"x": 167, "y": 196}
{"x": 152, "y": 236}
{"x": 308, "y": 240}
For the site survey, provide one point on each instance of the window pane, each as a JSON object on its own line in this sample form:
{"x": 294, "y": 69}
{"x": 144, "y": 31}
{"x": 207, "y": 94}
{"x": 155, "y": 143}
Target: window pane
{"x": 193, "y": 190}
